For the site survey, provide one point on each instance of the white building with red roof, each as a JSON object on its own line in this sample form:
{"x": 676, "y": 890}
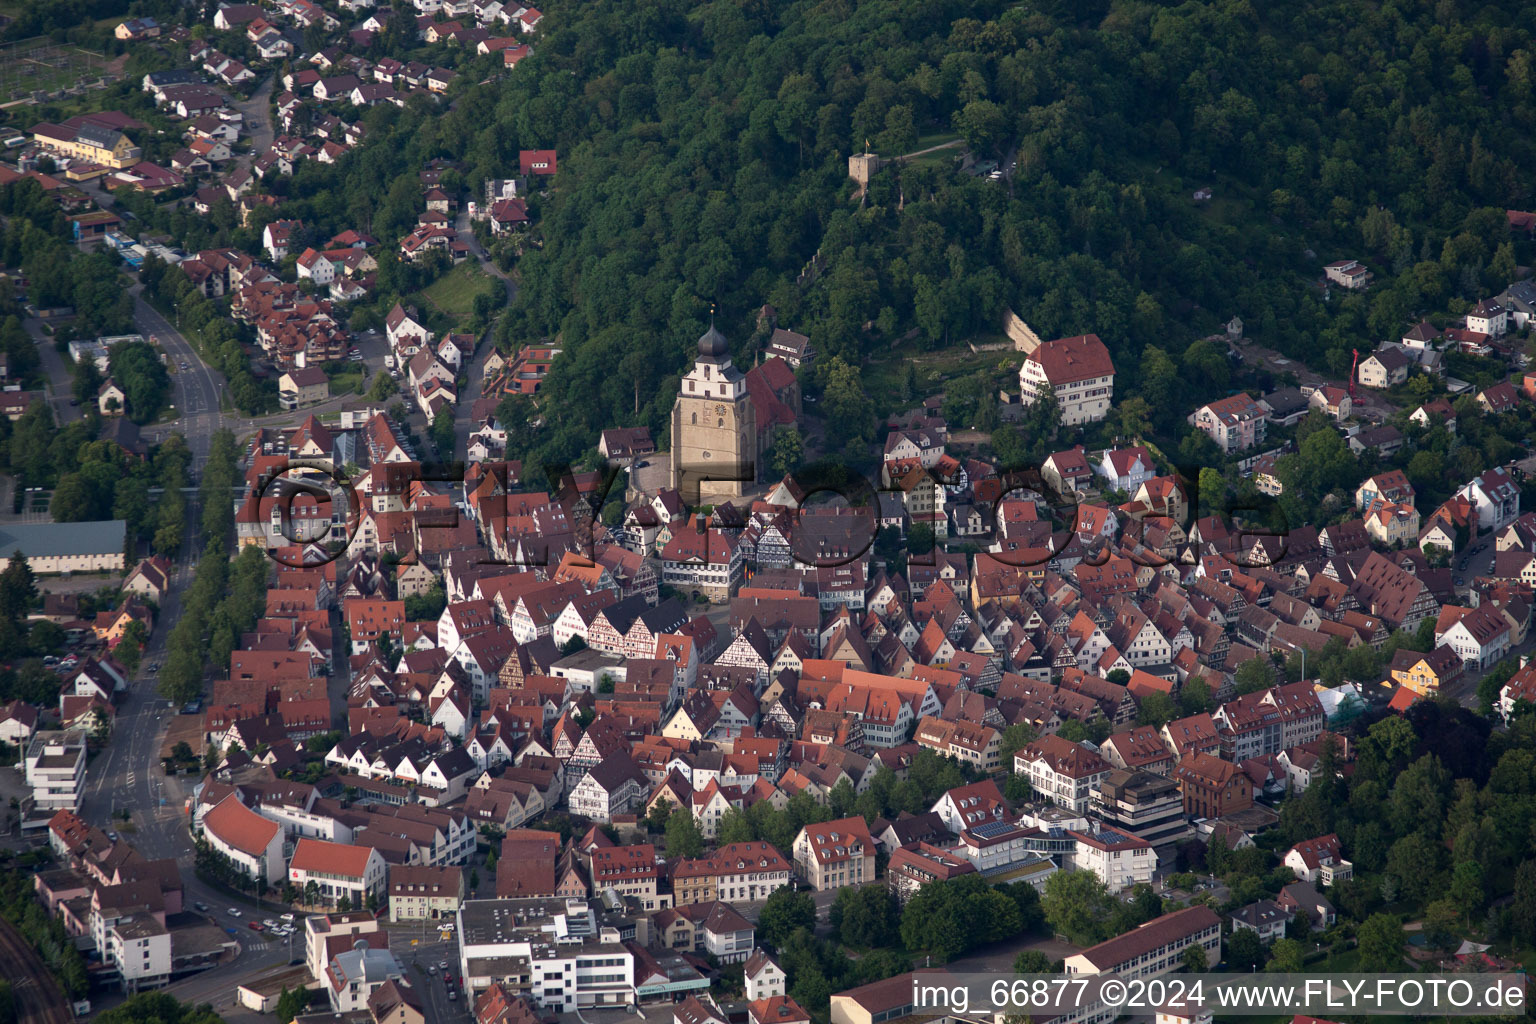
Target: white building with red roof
{"x": 1319, "y": 860}
{"x": 1077, "y": 370}
{"x": 1063, "y": 772}
{"x": 253, "y": 844}
{"x": 1234, "y": 423}
{"x": 1126, "y": 469}
{"x": 834, "y": 854}
{"x": 338, "y": 870}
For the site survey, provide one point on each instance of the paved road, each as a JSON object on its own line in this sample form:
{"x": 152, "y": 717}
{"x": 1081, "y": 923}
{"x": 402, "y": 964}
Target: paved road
{"x": 257, "y": 112}
{"x": 197, "y": 389}
{"x": 463, "y": 424}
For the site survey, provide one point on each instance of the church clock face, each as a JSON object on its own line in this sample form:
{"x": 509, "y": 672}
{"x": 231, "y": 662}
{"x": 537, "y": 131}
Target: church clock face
{"x": 719, "y": 410}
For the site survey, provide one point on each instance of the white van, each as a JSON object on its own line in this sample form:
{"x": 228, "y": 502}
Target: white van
{"x": 15, "y": 140}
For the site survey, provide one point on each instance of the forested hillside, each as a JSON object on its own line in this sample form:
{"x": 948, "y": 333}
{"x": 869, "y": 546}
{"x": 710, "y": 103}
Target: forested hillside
{"x": 703, "y": 158}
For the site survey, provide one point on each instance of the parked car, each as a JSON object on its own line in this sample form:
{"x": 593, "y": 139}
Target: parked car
{"x": 288, "y": 918}
{"x": 201, "y": 906}
{"x": 255, "y": 926}
{"x": 270, "y": 924}
{"x": 234, "y": 912}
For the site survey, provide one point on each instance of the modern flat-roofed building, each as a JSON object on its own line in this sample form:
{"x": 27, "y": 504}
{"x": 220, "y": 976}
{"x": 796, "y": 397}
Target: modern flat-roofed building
{"x": 1142, "y": 803}
{"x": 566, "y": 954}
{"x": 55, "y": 769}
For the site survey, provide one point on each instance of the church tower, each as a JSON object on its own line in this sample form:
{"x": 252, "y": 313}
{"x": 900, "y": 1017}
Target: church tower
{"x": 714, "y": 438}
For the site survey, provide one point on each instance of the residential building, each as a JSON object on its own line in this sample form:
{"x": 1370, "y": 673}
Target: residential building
{"x": 1119, "y": 858}
{"x": 1235, "y": 423}
{"x": 421, "y": 892}
{"x": 737, "y": 872}
{"x": 1212, "y": 787}
{"x": 1348, "y": 274}
{"x": 1062, "y": 772}
{"x": 55, "y": 769}
{"x": 353, "y": 976}
{"x": 836, "y": 853}
{"x": 1320, "y": 861}
{"x": 1425, "y": 674}
{"x": 1495, "y": 496}
{"x": 1488, "y": 317}
{"x": 764, "y": 978}
{"x": 1479, "y": 636}
{"x": 1266, "y": 918}
{"x": 1384, "y": 368}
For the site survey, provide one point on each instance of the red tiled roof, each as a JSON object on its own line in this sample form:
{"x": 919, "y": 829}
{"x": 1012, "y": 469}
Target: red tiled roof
{"x": 238, "y": 826}
{"x": 332, "y": 858}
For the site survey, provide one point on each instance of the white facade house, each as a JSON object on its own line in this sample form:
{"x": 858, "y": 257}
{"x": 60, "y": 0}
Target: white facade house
{"x": 1062, "y": 772}
{"x": 350, "y": 872}
{"x": 1320, "y": 861}
{"x": 613, "y": 787}
{"x": 1490, "y": 318}
{"x": 1120, "y": 859}
{"x": 570, "y": 959}
{"x": 1126, "y": 469}
{"x": 1481, "y": 637}
{"x": 55, "y": 769}
{"x": 1078, "y": 371}
{"x": 250, "y": 842}
{"x": 1496, "y": 497}
{"x": 139, "y": 946}
{"x": 763, "y": 976}
{"x": 352, "y": 977}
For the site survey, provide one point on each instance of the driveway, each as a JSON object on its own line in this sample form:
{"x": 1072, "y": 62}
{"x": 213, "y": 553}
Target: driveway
{"x": 57, "y": 369}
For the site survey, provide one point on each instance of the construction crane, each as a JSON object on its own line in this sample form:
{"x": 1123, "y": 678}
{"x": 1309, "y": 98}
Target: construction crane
{"x": 1352, "y": 367}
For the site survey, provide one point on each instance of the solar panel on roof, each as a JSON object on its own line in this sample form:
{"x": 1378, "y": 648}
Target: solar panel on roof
{"x": 992, "y": 829}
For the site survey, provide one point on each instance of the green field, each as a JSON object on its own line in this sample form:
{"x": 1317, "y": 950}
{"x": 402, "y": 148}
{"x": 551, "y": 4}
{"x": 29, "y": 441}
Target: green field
{"x": 454, "y": 293}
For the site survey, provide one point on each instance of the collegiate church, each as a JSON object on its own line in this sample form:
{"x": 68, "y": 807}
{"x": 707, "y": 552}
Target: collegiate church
{"x": 724, "y": 422}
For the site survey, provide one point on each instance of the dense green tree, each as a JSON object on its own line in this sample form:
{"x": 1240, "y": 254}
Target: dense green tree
{"x": 1077, "y": 904}
{"x": 1285, "y": 957}
{"x": 1244, "y": 951}
{"x": 785, "y": 911}
{"x": 683, "y": 836}
{"x": 1381, "y": 940}
{"x": 865, "y": 917}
